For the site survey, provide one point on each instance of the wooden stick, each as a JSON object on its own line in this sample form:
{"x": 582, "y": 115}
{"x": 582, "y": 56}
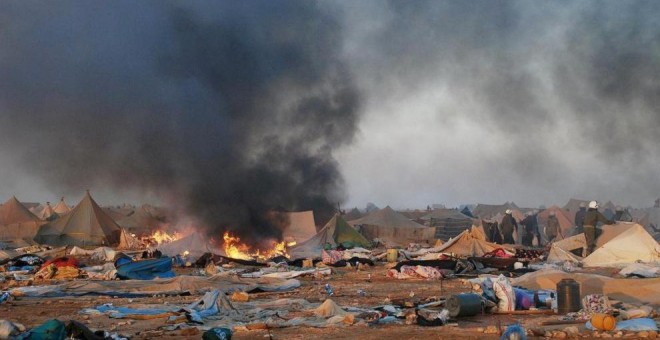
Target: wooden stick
{"x": 561, "y": 322}
{"x": 527, "y": 312}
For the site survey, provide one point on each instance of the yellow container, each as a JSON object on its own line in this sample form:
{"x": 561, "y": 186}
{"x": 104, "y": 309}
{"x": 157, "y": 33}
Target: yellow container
{"x": 307, "y": 263}
{"x": 392, "y": 255}
{"x": 603, "y": 322}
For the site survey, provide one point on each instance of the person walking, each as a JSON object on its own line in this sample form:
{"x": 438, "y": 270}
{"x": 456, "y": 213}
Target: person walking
{"x": 591, "y": 220}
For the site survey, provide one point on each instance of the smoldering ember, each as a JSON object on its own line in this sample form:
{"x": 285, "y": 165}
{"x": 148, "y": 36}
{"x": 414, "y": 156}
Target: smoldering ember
{"x": 308, "y": 169}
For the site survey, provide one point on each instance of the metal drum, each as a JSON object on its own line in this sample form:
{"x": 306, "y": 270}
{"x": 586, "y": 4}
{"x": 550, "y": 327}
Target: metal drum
{"x": 568, "y": 296}
{"x": 467, "y": 304}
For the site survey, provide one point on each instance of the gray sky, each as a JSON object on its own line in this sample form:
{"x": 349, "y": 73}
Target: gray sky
{"x": 459, "y": 102}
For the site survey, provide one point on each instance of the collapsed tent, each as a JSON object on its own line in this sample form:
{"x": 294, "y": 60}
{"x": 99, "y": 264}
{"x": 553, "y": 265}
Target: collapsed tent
{"x": 128, "y": 241}
{"x": 86, "y": 225}
{"x": 448, "y": 223}
{"x": 301, "y": 226}
{"x": 634, "y": 245}
{"x": 605, "y": 233}
{"x": 646, "y": 291}
{"x": 194, "y": 244}
{"x": 146, "y": 269}
{"x": 337, "y": 231}
{"x": 393, "y": 228}
{"x": 565, "y": 249}
{"x": 469, "y": 243}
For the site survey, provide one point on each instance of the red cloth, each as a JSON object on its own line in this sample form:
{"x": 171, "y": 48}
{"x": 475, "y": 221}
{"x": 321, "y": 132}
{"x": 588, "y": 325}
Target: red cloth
{"x": 499, "y": 252}
{"x": 62, "y": 262}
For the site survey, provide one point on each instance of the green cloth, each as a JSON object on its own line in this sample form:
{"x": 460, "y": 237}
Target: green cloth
{"x": 344, "y": 233}
{"x": 49, "y": 330}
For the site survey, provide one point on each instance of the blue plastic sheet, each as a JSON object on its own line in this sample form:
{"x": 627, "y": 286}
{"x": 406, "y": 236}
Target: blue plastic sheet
{"x": 641, "y": 324}
{"x": 146, "y": 270}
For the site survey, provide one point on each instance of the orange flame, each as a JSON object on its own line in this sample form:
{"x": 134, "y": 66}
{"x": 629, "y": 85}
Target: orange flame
{"x": 162, "y": 237}
{"x": 237, "y": 250}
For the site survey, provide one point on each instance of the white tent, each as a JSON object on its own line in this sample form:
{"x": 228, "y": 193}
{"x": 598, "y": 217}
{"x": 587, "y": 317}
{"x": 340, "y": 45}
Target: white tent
{"x": 632, "y": 246}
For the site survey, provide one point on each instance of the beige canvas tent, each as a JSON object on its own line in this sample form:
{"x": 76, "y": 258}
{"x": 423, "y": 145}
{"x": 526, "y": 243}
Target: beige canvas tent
{"x": 301, "y": 226}
{"x": 48, "y": 213}
{"x": 61, "y": 208}
{"x": 12, "y": 211}
{"x": 565, "y": 222}
{"x": 17, "y": 222}
{"x": 632, "y": 246}
{"x": 87, "y": 224}
{"x": 448, "y": 223}
{"x": 336, "y": 231}
{"x": 489, "y": 211}
{"x": 469, "y": 243}
{"x": 140, "y": 221}
{"x": 392, "y": 228}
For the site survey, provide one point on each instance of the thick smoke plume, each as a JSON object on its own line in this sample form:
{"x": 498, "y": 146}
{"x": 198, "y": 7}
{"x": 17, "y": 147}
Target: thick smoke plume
{"x": 230, "y": 109}
{"x": 506, "y": 100}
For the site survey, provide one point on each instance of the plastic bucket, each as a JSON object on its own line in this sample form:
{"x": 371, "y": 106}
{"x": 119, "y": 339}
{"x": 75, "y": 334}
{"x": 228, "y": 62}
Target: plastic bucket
{"x": 603, "y": 322}
{"x": 392, "y": 255}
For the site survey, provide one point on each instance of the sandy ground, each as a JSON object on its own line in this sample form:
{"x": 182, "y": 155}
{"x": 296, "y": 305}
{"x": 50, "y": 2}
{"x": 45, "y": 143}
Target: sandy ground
{"x": 345, "y": 281}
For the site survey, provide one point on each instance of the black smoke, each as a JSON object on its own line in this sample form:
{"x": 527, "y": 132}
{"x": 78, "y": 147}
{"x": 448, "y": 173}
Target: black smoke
{"x": 229, "y": 109}
{"x": 563, "y": 96}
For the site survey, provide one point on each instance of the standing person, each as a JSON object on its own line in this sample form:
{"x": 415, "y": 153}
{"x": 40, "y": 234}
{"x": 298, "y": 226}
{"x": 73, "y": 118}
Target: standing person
{"x": 535, "y": 227}
{"x": 496, "y": 233}
{"x": 507, "y": 226}
{"x": 552, "y": 228}
{"x": 622, "y": 215}
{"x": 591, "y": 219}
{"x": 528, "y": 229}
{"x": 579, "y": 218}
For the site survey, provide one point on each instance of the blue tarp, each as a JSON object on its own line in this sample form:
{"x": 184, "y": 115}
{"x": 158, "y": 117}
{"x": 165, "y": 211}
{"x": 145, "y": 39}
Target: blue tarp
{"x": 146, "y": 270}
{"x": 641, "y": 324}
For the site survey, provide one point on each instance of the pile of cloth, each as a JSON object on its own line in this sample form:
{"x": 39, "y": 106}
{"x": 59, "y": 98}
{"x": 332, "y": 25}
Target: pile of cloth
{"x": 342, "y": 258}
{"x": 59, "y": 269}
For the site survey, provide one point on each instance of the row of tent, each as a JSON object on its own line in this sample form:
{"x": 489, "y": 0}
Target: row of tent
{"x": 84, "y": 225}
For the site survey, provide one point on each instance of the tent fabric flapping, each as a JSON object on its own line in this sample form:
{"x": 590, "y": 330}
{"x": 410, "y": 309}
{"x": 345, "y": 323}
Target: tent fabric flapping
{"x": 337, "y": 231}
{"x": 633, "y": 245}
{"x": 393, "y": 228}
{"x": 86, "y": 225}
